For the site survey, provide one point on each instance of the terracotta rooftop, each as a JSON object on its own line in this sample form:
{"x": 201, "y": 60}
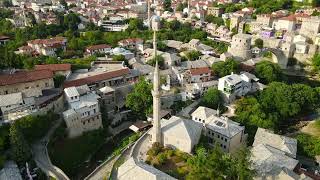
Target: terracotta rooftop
{"x": 96, "y": 47}
{"x": 198, "y": 71}
{"x": 54, "y": 67}
{"x": 289, "y": 18}
{"x": 24, "y": 76}
{"x": 96, "y": 78}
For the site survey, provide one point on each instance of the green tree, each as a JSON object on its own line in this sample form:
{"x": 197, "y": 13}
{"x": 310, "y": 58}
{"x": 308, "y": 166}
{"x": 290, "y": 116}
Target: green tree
{"x": 167, "y": 5}
{"x": 258, "y": 43}
{"x": 20, "y": 149}
{"x": 158, "y": 58}
{"x": 140, "y": 99}
{"x": 212, "y": 98}
{"x": 71, "y": 21}
{"x": 215, "y": 163}
{"x": 135, "y": 24}
{"x": 268, "y": 71}
{"x": 316, "y": 62}
{"x": 193, "y": 55}
{"x": 225, "y": 68}
{"x": 58, "y": 80}
{"x": 215, "y": 20}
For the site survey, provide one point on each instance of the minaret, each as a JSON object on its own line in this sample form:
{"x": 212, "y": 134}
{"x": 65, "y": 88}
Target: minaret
{"x": 156, "y": 135}
{"x": 149, "y": 14}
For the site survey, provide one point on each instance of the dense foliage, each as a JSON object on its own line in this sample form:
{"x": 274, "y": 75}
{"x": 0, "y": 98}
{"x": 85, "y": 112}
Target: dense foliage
{"x": 268, "y": 72}
{"x": 193, "y": 55}
{"x": 215, "y": 163}
{"x": 225, "y": 68}
{"x": 275, "y": 106}
{"x": 308, "y": 145}
{"x": 212, "y": 99}
{"x": 140, "y": 99}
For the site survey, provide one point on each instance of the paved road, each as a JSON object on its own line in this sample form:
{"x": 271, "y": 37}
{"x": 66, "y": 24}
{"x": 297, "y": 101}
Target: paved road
{"x": 42, "y": 158}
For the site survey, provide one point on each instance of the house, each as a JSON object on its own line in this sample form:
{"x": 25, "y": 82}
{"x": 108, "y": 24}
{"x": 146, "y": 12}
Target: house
{"x": 287, "y": 23}
{"x": 132, "y": 43}
{"x": 134, "y": 169}
{"x": 235, "y": 85}
{"x": 200, "y": 74}
{"x": 30, "y": 83}
{"x": 121, "y": 51}
{"x": 98, "y": 49}
{"x": 215, "y": 11}
{"x": 99, "y": 80}
{"x": 273, "y": 156}
{"x": 220, "y": 130}
{"x": 170, "y": 59}
{"x": 46, "y": 47}
{"x": 180, "y": 133}
{"x": 196, "y": 90}
{"x": 84, "y": 113}
{"x": 57, "y": 69}
{"x": 223, "y": 132}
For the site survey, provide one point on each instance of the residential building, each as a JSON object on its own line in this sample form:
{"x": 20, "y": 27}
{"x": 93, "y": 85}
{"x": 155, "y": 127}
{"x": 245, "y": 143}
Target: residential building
{"x": 84, "y": 113}
{"x": 287, "y": 23}
{"x": 310, "y": 26}
{"x": 46, "y": 47}
{"x": 170, "y": 59}
{"x": 235, "y": 85}
{"x": 132, "y": 43}
{"x": 215, "y": 11}
{"x": 20, "y": 105}
{"x": 227, "y": 134}
{"x": 96, "y": 80}
{"x": 30, "y": 83}
{"x": 98, "y": 49}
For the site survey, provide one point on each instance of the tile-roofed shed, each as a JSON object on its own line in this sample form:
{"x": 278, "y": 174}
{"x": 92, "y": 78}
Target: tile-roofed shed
{"x": 199, "y": 71}
{"x": 97, "y": 78}
{"x": 54, "y": 67}
{"x": 25, "y": 76}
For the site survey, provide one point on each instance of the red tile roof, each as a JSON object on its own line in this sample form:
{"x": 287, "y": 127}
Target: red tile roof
{"x": 24, "y": 76}
{"x": 97, "y": 78}
{"x": 198, "y": 71}
{"x": 54, "y": 67}
{"x": 96, "y": 47}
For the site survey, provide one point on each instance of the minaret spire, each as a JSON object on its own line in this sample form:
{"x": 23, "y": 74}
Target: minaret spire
{"x": 149, "y": 14}
{"x": 156, "y": 135}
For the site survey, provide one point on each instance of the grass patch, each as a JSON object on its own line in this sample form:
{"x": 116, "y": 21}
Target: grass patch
{"x": 70, "y": 154}
{"x": 308, "y": 145}
{"x": 172, "y": 162}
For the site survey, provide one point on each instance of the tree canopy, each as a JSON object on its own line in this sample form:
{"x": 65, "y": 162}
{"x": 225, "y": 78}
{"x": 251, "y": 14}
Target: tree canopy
{"x": 140, "y": 99}
{"x": 214, "y": 163}
{"x": 275, "y": 106}
{"x": 225, "y": 68}
{"x": 268, "y": 72}
{"x": 212, "y": 99}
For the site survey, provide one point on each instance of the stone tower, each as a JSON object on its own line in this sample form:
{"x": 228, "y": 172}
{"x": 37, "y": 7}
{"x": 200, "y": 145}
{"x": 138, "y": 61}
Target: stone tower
{"x": 240, "y": 47}
{"x": 156, "y": 134}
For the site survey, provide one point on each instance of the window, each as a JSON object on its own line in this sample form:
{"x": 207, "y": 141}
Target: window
{"x": 218, "y": 136}
{"x": 71, "y": 98}
{"x": 47, "y": 84}
{"x": 94, "y": 110}
{"x": 5, "y": 92}
{"x": 224, "y": 146}
{"x": 225, "y": 139}
{"x": 37, "y": 85}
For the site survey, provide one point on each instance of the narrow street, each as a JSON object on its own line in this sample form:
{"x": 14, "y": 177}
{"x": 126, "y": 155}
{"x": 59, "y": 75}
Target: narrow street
{"x": 42, "y": 158}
